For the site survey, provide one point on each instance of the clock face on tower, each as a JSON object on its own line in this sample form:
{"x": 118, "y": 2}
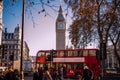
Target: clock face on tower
{"x": 60, "y": 26}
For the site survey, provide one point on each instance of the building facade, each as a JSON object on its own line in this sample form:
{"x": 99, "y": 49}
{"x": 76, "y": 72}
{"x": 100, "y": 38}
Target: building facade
{"x": 111, "y": 61}
{"x": 25, "y": 51}
{"x": 11, "y": 47}
{"x": 1, "y": 8}
{"x": 60, "y": 30}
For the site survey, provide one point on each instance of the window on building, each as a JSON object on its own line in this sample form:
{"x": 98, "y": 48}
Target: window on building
{"x": 5, "y": 57}
{"x": 5, "y": 36}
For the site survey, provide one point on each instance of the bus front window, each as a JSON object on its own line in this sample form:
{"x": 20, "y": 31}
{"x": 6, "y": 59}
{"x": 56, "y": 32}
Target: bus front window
{"x": 40, "y": 54}
{"x": 47, "y": 53}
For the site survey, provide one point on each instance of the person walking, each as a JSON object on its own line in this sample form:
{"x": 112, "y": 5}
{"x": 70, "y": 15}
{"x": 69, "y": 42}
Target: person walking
{"x": 1, "y": 75}
{"x": 9, "y": 75}
{"x": 58, "y": 74}
{"x": 47, "y": 75}
{"x": 36, "y": 75}
{"x": 40, "y": 71}
{"x": 64, "y": 71}
{"x": 87, "y": 74}
{"x": 16, "y": 74}
{"x": 61, "y": 73}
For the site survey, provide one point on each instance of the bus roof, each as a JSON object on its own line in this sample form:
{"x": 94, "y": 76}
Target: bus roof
{"x": 70, "y": 49}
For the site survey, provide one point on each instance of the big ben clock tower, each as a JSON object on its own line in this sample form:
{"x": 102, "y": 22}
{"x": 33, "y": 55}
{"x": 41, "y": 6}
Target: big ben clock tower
{"x": 60, "y": 30}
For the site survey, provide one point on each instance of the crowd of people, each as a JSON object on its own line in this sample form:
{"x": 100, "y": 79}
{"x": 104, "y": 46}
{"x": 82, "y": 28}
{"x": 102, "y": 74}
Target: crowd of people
{"x": 43, "y": 73}
{"x": 9, "y": 74}
{"x": 48, "y": 73}
{"x": 58, "y": 73}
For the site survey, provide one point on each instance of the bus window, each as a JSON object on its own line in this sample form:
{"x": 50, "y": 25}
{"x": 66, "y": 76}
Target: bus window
{"x": 80, "y": 53}
{"x": 47, "y": 53}
{"x": 79, "y": 66}
{"x": 92, "y": 52}
{"x": 69, "y": 66}
{"x": 65, "y": 53}
{"x": 70, "y": 53}
{"x": 40, "y": 54}
{"x": 58, "y": 53}
{"x": 85, "y": 52}
{"x": 89, "y": 53}
{"x": 75, "y": 53}
{"x": 61, "y": 53}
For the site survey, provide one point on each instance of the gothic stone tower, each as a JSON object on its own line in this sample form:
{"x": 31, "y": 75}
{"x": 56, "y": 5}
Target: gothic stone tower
{"x": 60, "y": 30}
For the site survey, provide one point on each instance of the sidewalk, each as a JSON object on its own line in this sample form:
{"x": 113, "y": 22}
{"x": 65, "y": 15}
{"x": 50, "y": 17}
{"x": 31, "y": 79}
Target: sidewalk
{"x": 111, "y": 74}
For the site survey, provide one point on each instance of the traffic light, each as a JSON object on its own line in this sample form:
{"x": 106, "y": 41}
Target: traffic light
{"x": 50, "y": 57}
{"x": 52, "y": 52}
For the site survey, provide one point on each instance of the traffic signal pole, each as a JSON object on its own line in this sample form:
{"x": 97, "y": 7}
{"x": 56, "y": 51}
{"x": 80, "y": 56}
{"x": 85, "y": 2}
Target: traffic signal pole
{"x": 52, "y": 52}
{"x": 51, "y": 56}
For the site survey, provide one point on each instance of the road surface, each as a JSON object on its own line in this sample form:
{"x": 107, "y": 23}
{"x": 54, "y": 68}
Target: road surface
{"x": 30, "y": 77}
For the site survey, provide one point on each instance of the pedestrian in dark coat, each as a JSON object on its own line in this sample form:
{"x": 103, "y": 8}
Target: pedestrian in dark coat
{"x": 36, "y": 75}
{"x": 1, "y": 75}
{"x": 16, "y": 74}
{"x": 57, "y": 74}
{"x": 9, "y": 75}
{"x": 40, "y": 71}
{"x": 47, "y": 75}
{"x": 87, "y": 74}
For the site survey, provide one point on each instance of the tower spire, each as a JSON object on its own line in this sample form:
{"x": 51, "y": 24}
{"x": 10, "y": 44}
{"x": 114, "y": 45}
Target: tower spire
{"x": 60, "y": 14}
{"x": 60, "y": 10}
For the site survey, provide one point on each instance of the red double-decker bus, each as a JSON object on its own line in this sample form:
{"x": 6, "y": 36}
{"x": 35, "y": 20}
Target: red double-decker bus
{"x": 73, "y": 60}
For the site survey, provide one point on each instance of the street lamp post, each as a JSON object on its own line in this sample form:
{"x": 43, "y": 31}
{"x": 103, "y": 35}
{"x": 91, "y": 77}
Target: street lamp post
{"x": 22, "y": 38}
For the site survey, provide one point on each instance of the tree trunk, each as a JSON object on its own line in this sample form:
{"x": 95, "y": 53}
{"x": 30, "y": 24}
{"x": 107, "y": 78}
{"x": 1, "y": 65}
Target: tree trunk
{"x": 117, "y": 55}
